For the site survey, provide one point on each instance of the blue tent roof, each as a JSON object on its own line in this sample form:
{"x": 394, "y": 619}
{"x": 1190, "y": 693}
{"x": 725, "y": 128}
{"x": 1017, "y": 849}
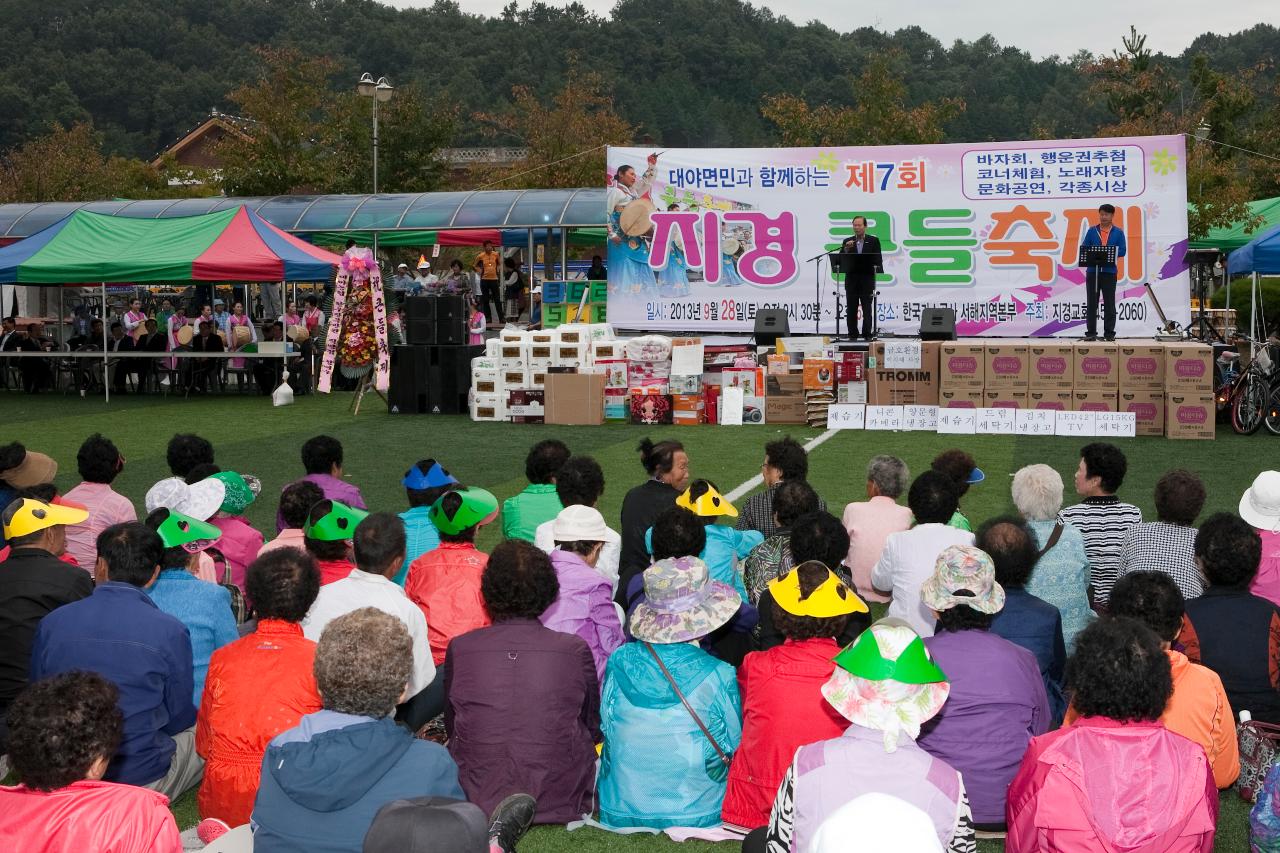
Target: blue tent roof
{"x": 1260, "y": 255}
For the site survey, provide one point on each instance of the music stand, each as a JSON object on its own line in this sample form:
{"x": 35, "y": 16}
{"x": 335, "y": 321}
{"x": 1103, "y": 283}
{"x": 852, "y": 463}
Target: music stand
{"x": 1097, "y": 256}
{"x": 839, "y": 261}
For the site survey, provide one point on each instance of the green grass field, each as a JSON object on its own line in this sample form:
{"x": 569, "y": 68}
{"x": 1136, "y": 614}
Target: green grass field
{"x": 252, "y": 437}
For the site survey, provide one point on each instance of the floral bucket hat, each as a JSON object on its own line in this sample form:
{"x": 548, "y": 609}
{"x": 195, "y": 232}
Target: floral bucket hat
{"x": 963, "y": 574}
{"x": 681, "y": 602}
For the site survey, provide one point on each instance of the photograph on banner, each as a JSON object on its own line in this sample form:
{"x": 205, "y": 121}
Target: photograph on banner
{"x": 703, "y": 239}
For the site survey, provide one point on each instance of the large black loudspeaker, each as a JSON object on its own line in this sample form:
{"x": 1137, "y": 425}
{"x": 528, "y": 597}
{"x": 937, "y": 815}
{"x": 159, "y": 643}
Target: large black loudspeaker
{"x": 430, "y": 379}
{"x": 771, "y": 324}
{"x": 435, "y": 320}
{"x": 938, "y": 324}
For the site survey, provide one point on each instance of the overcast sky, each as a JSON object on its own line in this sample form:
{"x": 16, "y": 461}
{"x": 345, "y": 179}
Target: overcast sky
{"x": 1037, "y": 26}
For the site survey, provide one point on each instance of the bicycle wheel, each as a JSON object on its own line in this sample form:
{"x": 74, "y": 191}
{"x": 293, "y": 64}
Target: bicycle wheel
{"x": 1250, "y": 407}
{"x": 1272, "y": 419}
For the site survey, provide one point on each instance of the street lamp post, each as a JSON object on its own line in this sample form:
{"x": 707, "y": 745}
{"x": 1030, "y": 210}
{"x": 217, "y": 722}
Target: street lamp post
{"x": 380, "y": 92}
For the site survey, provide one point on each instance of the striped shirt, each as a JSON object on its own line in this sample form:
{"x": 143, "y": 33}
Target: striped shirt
{"x": 1104, "y": 522}
{"x": 1155, "y": 546}
{"x": 758, "y": 512}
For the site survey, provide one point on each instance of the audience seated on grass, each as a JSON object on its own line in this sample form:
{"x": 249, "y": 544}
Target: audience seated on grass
{"x": 324, "y": 780}
{"x": 119, "y": 633}
{"x": 1102, "y": 519}
{"x": 295, "y": 501}
{"x": 257, "y": 686}
{"x": 1116, "y": 779}
{"x": 186, "y": 450}
{"x": 909, "y": 557}
{"x": 871, "y": 521}
{"x": 772, "y": 557}
{"x": 204, "y": 608}
{"x": 33, "y": 583}
{"x": 379, "y": 545}
{"x": 322, "y": 458}
{"x": 424, "y": 483}
{"x": 1260, "y": 507}
{"x": 670, "y": 713}
{"x": 1229, "y": 629}
{"x": 1025, "y": 620}
{"x": 199, "y": 499}
{"x": 784, "y": 460}
{"x": 960, "y": 468}
{"x": 997, "y": 701}
{"x": 580, "y": 482}
{"x": 1198, "y": 709}
{"x": 782, "y": 703}
{"x": 523, "y": 702}
{"x": 240, "y": 543}
{"x": 65, "y": 731}
{"x": 1168, "y": 543}
{"x": 445, "y": 583}
{"x": 538, "y": 503}
{"x": 327, "y": 535}
{"x": 726, "y": 547}
{"x": 886, "y": 685}
{"x": 584, "y": 604}
{"x": 99, "y": 463}
{"x": 1061, "y": 573}
{"x": 667, "y": 467}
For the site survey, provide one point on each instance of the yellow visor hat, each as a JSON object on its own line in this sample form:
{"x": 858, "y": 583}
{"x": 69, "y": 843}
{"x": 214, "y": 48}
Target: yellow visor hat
{"x": 831, "y": 598}
{"x": 26, "y": 516}
{"x": 709, "y": 503}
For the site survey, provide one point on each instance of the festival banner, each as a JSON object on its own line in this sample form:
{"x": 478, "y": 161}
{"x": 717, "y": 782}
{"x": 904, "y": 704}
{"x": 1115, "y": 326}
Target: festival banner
{"x": 990, "y": 229}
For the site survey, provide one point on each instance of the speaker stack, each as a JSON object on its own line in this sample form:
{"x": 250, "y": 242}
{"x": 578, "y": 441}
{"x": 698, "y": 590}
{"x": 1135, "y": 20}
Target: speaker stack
{"x": 431, "y": 374}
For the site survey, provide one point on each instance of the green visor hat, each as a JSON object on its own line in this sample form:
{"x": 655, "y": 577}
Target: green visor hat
{"x": 862, "y": 658}
{"x": 337, "y": 524}
{"x": 178, "y": 530}
{"x": 478, "y": 507}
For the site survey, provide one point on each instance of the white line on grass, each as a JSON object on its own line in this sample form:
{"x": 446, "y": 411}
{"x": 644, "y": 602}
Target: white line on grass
{"x": 750, "y": 484}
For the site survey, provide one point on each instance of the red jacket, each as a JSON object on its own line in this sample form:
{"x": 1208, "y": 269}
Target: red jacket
{"x": 445, "y": 584}
{"x": 103, "y": 817}
{"x": 782, "y": 710}
{"x": 1106, "y": 787}
{"x": 257, "y": 687}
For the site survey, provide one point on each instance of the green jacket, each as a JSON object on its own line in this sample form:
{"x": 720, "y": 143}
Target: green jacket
{"x": 522, "y": 514}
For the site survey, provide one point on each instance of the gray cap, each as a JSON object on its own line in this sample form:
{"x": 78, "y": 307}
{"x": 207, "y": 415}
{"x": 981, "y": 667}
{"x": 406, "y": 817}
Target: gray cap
{"x": 428, "y": 825}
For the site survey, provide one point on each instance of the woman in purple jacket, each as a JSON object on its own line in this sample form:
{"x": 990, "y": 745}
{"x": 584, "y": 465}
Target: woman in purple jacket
{"x": 997, "y": 701}
{"x": 522, "y": 702}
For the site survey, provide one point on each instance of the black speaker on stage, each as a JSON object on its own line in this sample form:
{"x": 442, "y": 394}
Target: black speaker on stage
{"x": 771, "y": 324}
{"x": 419, "y": 308}
{"x": 938, "y": 324}
{"x": 430, "y": 379}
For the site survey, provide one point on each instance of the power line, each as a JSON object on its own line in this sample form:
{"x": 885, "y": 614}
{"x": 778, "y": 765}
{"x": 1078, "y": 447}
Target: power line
{"x": 540, "y": 167}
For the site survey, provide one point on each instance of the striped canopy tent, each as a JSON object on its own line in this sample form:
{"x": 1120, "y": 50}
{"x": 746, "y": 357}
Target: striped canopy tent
{"x": 230, "y": 245}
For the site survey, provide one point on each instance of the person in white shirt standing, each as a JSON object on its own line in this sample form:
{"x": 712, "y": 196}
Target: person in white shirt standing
{"x": 379, "y": 545}
{"x": 909, "y": 557}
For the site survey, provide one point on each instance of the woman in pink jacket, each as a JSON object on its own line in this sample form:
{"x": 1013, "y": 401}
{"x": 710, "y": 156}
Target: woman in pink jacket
{"x": 63, "y": 732}
{"x": 1117, "y": 779}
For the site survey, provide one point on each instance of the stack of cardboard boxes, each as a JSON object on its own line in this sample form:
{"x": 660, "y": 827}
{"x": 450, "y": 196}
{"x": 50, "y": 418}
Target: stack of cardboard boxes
{"x": 509, "y": 381}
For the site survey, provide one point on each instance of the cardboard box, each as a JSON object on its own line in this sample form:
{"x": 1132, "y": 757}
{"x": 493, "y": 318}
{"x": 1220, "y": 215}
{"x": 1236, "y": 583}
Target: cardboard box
{"x": 1190, "y": 414}
{"x": 516, "y": 336}
{"x": 686, "y": 384}
{"x": 527, "y": 406}
{"x": 959, "y": 366}
{"x": 1057, "y": 400}
{"x": 777, "y": 364}
{"x": 538, "y": 378}
{"x": 575, "y": 398}
{"x": 515, "y": 354}
{"x": 615, "y": 373}
{"x": 749, "y": 379}
{"x": 688, "y": 409}
{"x": 574, "y": 333}
{"x": 851, "y": 392}
{"x": 1051, "y": 367}
{"x": 487, "y": 407}
{"x": 493, "y": 348}
{"x": 785, "y": 385}
{"x": 904, "y": 387}
{"x": 1007, "y": 366}
{"x": 711, "y": 396}
{"x": 544, "y": 337}
{"x": 785, "y": 409}
{"x": 607, "y": 350}
{"x": 567, "y": 354}
{"x": 512, "y": 377}
{"x": 819, "y": 374}
{"x": 484, "y": 362}
{"x": 1142, "y": 367}
{"x": 1010, "y": 398}
{"x": 960, "y": 398}
{"x": 1188, "y": 367}
{"x": 1097, "y": 367}
{"x": 617, "y": 405}
{"x": 1093, "y": 401}
{"x": 754, "y": 410}
{"x": 1148, "y": 407}
{"x": 484, "y": 381}
{"x": 852, "y": 367}
{"x": 650, "y": 409}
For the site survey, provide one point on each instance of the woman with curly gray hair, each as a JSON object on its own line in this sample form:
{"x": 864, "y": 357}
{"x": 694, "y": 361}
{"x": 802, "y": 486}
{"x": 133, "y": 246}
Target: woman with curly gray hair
{"x": 324, "y": 780}
{"x": 1061, "y": 574}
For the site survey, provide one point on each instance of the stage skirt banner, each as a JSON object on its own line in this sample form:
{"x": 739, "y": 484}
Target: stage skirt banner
{"x": 992, "y": 230}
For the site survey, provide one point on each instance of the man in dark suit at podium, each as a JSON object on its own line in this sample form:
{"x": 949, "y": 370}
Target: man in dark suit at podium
{"x": 862, "y": 262}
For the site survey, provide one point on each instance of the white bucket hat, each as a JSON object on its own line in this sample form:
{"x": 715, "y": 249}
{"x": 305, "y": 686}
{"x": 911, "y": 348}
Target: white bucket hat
{"x": 1260, "y": 504}
{"x": 200, "y": 500}
{"x": 579, "y": 523}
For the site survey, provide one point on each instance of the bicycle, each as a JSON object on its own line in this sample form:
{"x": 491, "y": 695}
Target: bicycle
{"x": 1248, "y": 395}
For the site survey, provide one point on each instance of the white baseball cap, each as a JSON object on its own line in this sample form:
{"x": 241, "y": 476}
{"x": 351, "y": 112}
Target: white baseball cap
{"x": 1260, "y": 504}
{"x": 579, "y": 523}
{"x": 402, "y": 266}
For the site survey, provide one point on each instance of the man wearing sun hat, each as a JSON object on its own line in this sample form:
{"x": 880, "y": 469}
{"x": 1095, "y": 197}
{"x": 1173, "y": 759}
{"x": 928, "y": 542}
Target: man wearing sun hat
{"x": 1260, "y": 507}
{"x": 887, "y": 686}
{"x": 666, "y": 763}
{"x": 33, "y": 583}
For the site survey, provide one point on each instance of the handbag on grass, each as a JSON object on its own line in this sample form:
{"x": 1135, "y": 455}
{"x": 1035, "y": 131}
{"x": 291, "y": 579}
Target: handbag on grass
{"x": 1259, "y": 749}
{"x": 239, "y": 608}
